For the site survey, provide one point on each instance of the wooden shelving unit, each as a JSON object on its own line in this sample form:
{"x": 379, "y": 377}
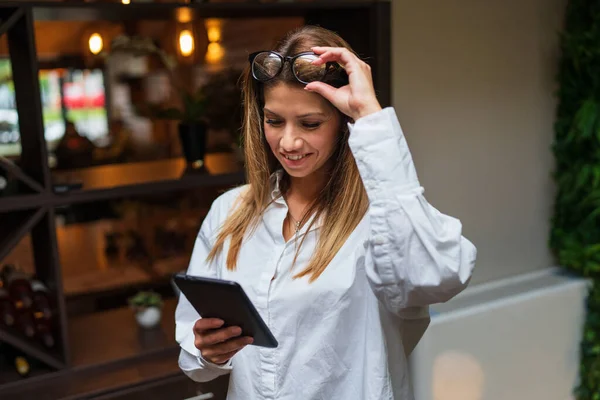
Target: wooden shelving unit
{"x": 103, "y": 355}
{"x": 133, "y": 179}
{"x": 127, "y": 342}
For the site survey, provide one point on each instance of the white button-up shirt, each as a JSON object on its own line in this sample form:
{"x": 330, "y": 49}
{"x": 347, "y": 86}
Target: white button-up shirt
{"x": 340, "y": 337}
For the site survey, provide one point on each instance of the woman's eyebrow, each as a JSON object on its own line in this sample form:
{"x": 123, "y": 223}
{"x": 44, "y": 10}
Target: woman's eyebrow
{"x": 266, "y": 110}
{"x": 312, "y": 114}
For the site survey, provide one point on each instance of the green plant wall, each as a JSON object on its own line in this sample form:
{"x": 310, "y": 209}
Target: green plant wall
{"x": 575, "y": 234}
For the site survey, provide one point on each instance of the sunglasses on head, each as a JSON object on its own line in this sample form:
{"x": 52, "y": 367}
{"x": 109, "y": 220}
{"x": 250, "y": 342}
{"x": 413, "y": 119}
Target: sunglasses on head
{"x": 267, "y": 65}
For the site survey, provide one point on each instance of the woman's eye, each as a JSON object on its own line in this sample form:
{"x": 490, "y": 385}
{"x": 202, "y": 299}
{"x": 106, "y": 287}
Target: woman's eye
{"x": 272, "y": 122}
{"x": 311, "y": 125}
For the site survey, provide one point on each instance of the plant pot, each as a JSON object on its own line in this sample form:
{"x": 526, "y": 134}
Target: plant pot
{"x": 148, "y": 317}
{"x": 193, "y": 142}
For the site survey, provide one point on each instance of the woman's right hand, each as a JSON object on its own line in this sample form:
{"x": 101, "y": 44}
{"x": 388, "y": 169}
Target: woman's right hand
{"x": 217, "y": 345}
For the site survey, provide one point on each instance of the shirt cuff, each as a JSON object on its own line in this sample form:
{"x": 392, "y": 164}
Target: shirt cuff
{"x": 188, "y": 345}
{"x": 215, "y": 367}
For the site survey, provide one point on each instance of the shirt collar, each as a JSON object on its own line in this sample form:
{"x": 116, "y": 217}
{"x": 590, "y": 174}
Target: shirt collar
{"x": 275, "y": 181}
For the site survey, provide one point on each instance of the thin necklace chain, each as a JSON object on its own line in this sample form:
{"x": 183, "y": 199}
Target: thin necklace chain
{"x": 297, "y": 227}
{"x": 296, "y": 223}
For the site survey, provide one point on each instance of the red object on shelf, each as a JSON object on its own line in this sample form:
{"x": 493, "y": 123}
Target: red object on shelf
{"x": 18, "y": 285}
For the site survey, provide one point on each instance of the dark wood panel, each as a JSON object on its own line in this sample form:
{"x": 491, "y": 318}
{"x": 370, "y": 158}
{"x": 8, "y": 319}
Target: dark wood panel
{"x": 9, "y": 18}
{"x": 21, "y": 46}
{"x": 16, "y": 225}
{"x": 119, "y": 12}
{"x": 47, "y": 268}
{"x": 23, "y": 202}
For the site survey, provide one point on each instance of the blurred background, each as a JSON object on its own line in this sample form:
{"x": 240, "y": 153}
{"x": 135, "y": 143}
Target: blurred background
{"x": 119, "y": 125}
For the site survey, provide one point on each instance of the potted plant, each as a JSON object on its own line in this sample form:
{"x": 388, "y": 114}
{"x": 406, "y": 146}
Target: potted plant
{"x": 192, "y": 126}
{"x": 147, "y": 306}
{"x": 191, "y": 103}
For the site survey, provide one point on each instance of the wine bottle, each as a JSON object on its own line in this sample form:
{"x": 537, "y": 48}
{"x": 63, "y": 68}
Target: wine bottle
{"x": 43, "y": 331}
{"x": 41, "y": 299}
{"x": 16, "y": 358}
{"x": 18, "y": 286}
{"x": 26, "y": 323}
{"x": 7, "y": 310}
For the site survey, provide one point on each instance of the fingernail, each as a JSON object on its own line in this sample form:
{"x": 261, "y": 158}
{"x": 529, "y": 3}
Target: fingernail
{"x": 237, "y": 331}
{"x": 220, "y": 322}
{"x": 249, "y": 340}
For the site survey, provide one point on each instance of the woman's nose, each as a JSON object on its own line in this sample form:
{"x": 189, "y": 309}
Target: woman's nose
{"x": 291, "y": 140}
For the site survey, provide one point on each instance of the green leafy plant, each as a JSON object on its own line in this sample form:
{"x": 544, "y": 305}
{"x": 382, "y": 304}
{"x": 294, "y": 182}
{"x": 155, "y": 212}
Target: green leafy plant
{"x": 145, "y": 299}
{"x": 575, "y": 233}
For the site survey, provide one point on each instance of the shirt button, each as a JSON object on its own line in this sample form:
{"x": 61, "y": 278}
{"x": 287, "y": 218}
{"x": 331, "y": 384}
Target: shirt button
{"x": 379, "y": 240}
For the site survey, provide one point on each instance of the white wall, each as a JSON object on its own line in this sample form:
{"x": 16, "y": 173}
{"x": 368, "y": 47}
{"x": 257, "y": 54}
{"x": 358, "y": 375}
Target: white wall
{"x": 511, "y": 339}
{"x": 473, "y": 86}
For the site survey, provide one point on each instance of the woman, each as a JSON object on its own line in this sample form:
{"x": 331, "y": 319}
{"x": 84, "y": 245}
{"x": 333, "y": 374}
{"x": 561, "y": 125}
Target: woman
{"x": 332, "y": 238}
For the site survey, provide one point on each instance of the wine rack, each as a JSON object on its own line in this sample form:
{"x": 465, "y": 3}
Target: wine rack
{"x": 75, "y": 365}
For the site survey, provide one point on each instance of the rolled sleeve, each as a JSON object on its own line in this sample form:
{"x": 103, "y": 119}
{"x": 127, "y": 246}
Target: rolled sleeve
{"x": 417, "y": 255}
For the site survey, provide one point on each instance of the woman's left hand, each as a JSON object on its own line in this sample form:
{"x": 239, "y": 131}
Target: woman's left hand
{"x": 357, "y": 99}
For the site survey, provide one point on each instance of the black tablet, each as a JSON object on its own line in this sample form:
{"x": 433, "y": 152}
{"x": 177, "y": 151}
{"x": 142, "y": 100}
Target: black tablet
{"x": 226, "y": 300}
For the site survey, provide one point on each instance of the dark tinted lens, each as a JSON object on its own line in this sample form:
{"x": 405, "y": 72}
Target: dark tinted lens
{"x": 266, "y": 65}
{"x": 307, "y": 72}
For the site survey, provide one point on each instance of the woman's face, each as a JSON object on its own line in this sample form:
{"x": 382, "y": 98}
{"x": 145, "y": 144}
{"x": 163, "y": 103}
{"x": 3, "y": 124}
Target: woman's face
{"x": 301, "y": 128}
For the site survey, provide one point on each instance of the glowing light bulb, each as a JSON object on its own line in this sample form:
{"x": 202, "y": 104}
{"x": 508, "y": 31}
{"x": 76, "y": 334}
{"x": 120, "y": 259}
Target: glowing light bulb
{"x": 186, "y": 43}
{"x": 96, "y": 43}
{"x": 214, "y": 53}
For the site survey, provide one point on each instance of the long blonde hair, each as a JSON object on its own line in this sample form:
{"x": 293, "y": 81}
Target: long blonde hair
{"x": 340, "y": 205}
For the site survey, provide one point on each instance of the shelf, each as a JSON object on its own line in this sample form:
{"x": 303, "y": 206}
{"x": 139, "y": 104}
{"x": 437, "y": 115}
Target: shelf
{"x": 134, "y": 179}
{"x": 86, "y": 383}
{"x": 69, "y": 11}
{"x": 126, "y": 277}
{"x": 98, "y": 273}
{"x": 21, "y": 176}
{"x": 109, "y": 352}
{"x": 22, "y": 202}
{"x": 8, "y": 375}
{"x": 49, "y": 357}
{"x": 114, "y": 335}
